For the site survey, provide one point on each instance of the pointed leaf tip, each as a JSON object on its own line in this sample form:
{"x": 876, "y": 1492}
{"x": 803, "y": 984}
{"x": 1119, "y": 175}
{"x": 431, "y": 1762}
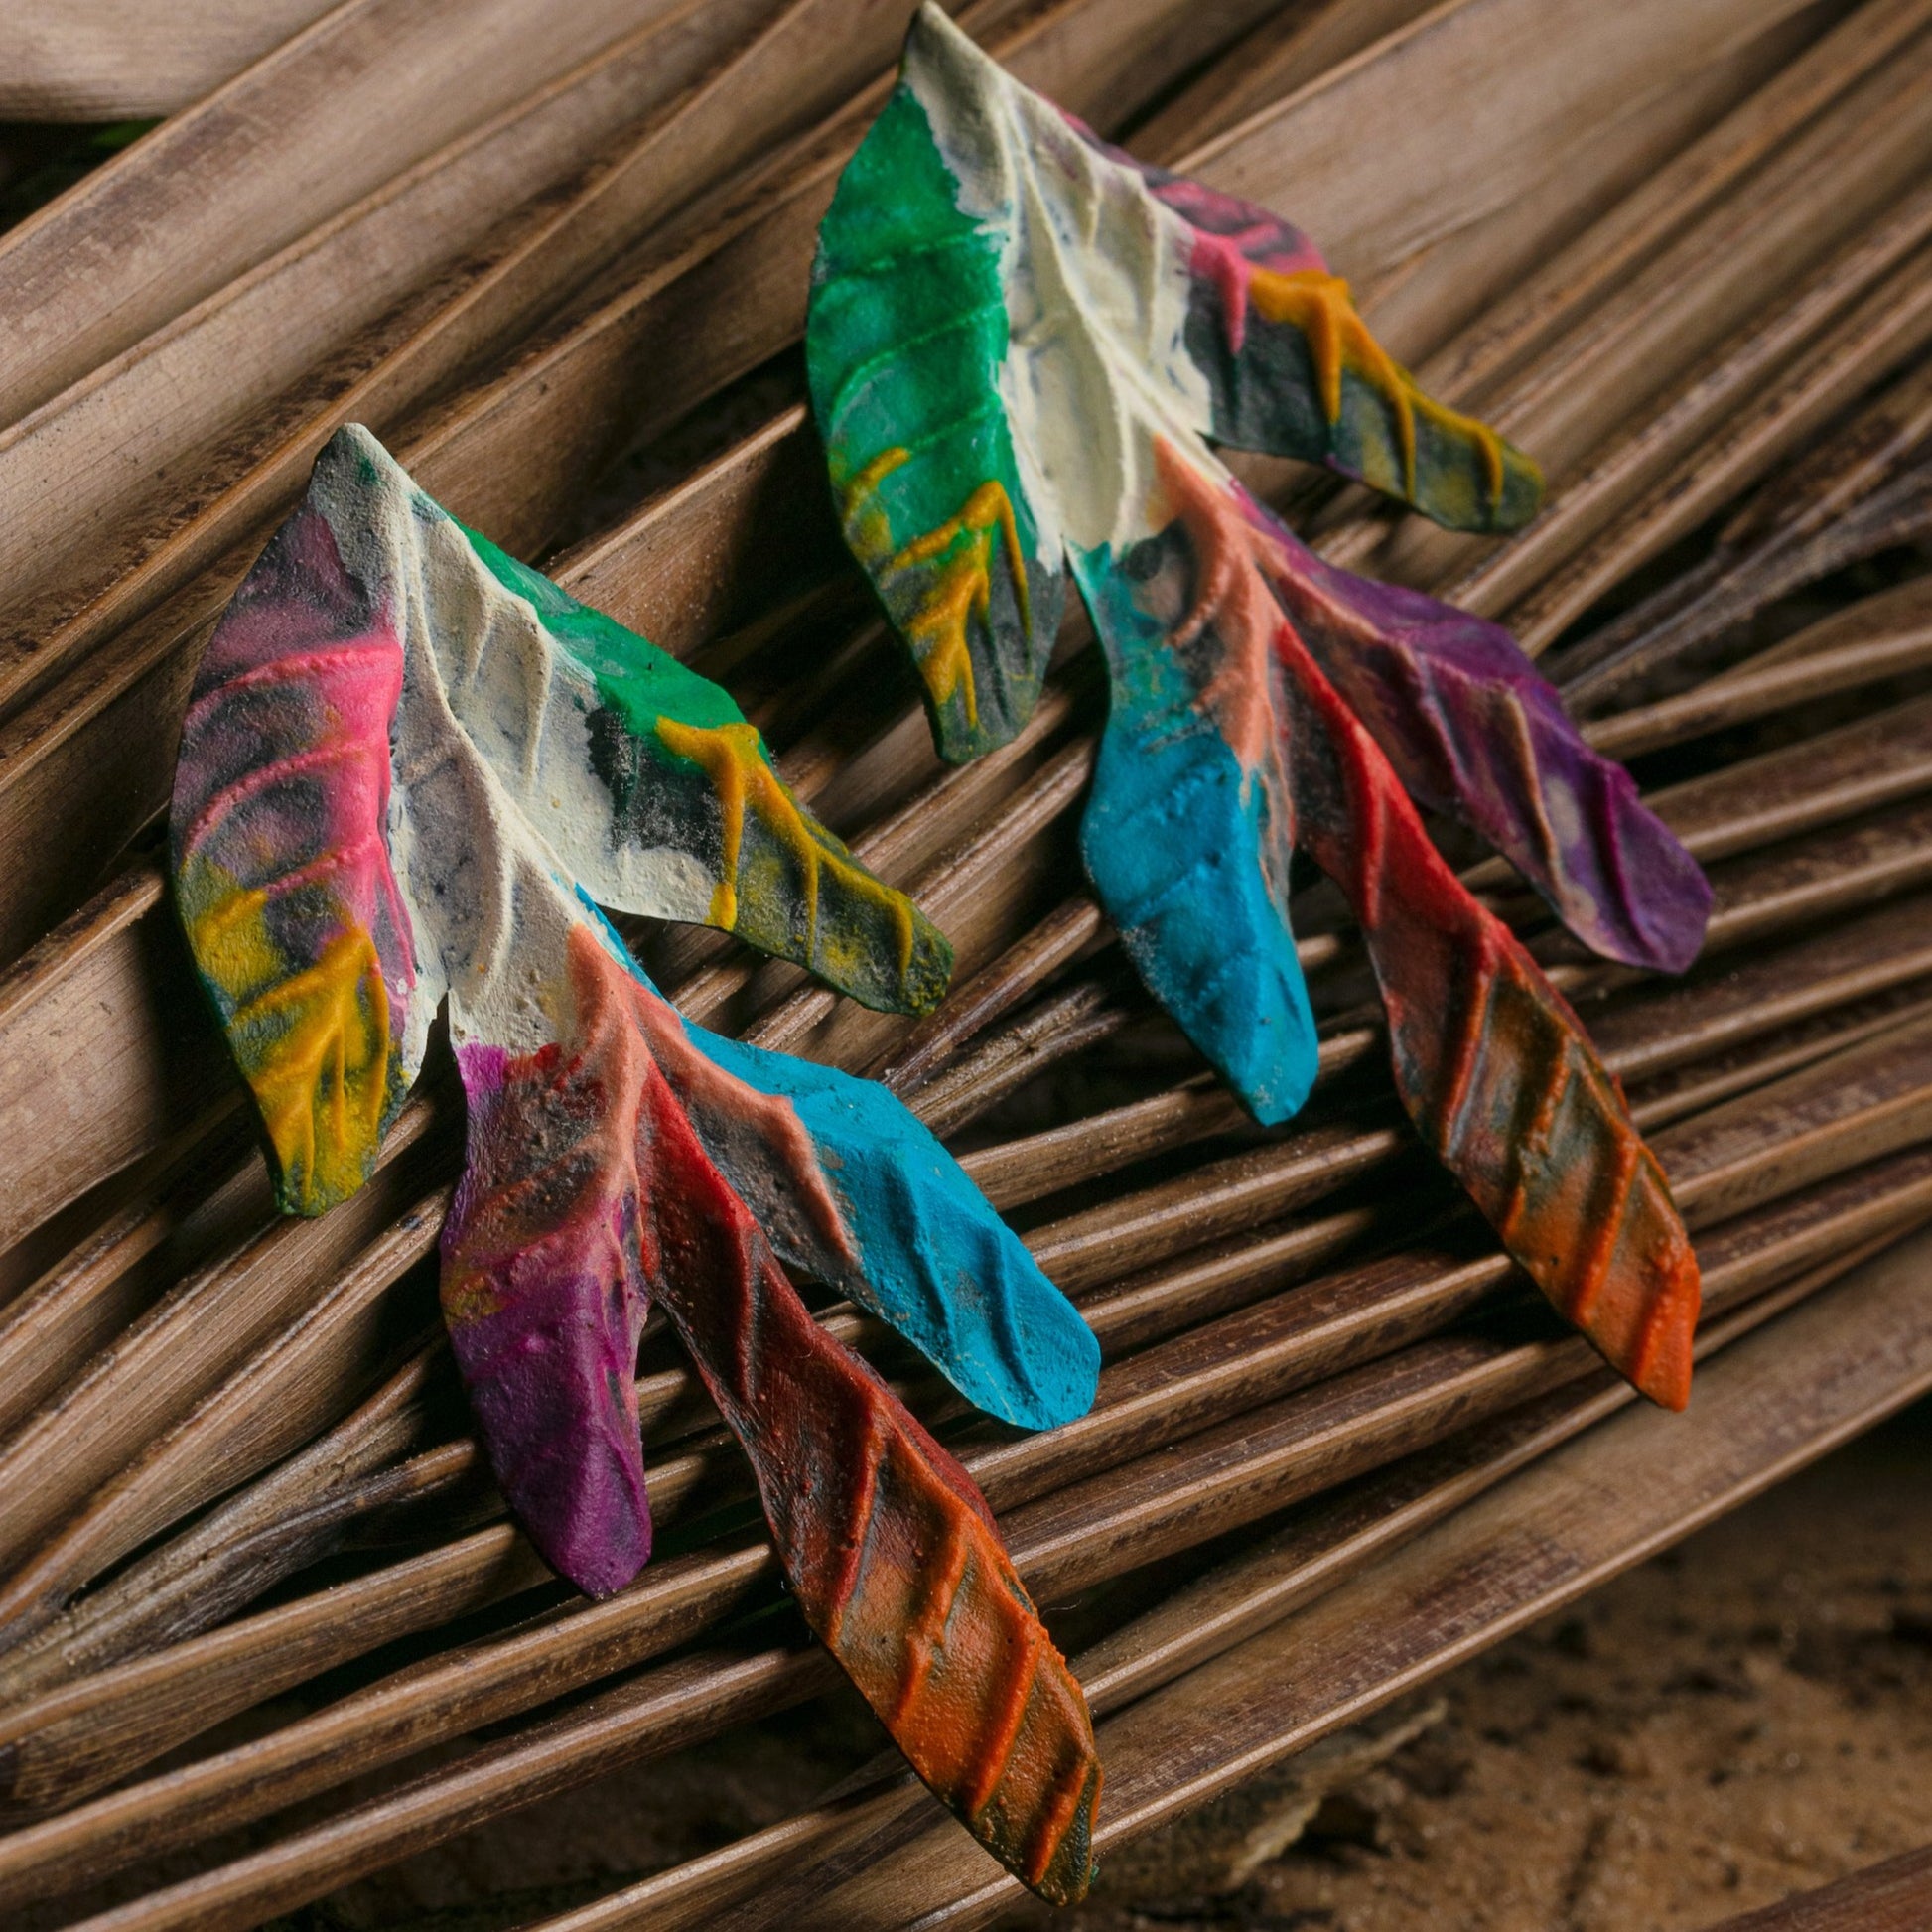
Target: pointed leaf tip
{"x": 928, "y": 1255}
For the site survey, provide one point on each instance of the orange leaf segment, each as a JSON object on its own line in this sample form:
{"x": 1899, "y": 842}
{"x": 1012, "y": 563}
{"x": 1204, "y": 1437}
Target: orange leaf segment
{"x": 1493, "y": 1066}
{"x": 590, "y": 1191}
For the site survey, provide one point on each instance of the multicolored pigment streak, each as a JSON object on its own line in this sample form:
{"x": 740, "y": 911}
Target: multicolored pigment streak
{"x": 412, "y": 771}
{"x": 905, "y": 346}
{"x": 612, "y": 1166}
{"x": 1002, "y": 301}
{"x": 280, "y": 833}
{"x": 980, "y": 252}
{"x": 1494, "y": 1068}
{"x": 644, "y": 778}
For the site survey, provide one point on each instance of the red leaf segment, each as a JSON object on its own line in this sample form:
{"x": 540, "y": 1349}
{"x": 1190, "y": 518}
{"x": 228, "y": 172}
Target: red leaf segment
{"x": 1493, "y": 1066}
{"x": 589, "y": 1191}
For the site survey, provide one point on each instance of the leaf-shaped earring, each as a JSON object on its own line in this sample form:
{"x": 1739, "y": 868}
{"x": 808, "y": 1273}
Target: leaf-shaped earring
{"x": 1020, "y": 343}
{"x": 411, "y": 770}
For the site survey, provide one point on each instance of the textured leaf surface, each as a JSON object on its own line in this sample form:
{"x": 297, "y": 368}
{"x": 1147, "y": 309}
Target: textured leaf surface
{"x": 1293, "y": 370}
{"x": 411, "y": 770}
{"x": 920, "y": 1248}
{"x": 282, "y": 860}
{"x": 1042, "y": 319}
{"x": 907, "y": 348}
{"x": 1471, "y": 728}
{"x": 591, "y": 1188}
{"x": 512, "y": 704}
{"x": 1004, "y": 308}
{"x": 1494, "y": 1068}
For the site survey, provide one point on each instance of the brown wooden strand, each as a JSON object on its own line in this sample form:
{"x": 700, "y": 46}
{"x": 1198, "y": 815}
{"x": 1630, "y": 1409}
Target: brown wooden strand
{"x": 119, "y": 63}
{"x": 1837, "y": 174}
{"x": 1875, "y": 339}
{"x": 1713, "y": 817}
{"x": 1868, "y": 621}
{"x": 1893, "y": 1896}
{"x": 1857, "y": 1106}
{"x": 1706, "y": 1083}
{"x": 935, "y": 1043}
{"x": 1372, "y": 219}
{"x": 268, "y": 1528}
{"x": 266, "y": 158}
{"x": 1798, "y": 502}
{"x": 198, "y": 1333}
{"x": 125, "y": 1711}
{"x": 101, "y": 1725}
{"x": 267, "y": 1408}
{"x": 1214, "y": 1201}
{"x": 1832, "y": 310}
{"x": 1645, "y": 221}
{"x": 1897, "y": 515}
{"x": 1833, "y": 968}
{"x": 682, "y": 1701}
{"x": 1759, "y": 690}
{"x": 103, "y": 1283}
{"x": 59, "y": 1140}
{"x": 1066, "y": 1021}
{"x": 1020, "y": 1170}
{"x": 1296, "y": 45}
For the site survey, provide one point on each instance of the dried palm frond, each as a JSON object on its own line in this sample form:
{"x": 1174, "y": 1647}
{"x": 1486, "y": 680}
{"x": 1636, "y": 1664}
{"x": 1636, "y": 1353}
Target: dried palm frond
{"x": 1338, "y": 1447}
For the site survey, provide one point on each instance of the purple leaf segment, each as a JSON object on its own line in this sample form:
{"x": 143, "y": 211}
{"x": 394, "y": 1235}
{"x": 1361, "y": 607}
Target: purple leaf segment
{"x": 1472, "y": 728}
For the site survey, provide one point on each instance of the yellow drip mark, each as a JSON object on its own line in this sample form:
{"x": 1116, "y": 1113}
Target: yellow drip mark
{"x": 322, "y": 1081}
{"x": 231, "y": 942}
{"x": 733, "y": 759}
{"x": 937, "y": 631}
{"x": 866, "y": 528}
{"x": 1319, "y": 306}
{"x": 964, "y": 590}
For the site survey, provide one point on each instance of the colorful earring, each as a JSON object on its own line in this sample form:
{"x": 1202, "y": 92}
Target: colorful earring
{"x": 1021, "y": 341}
{"x": 411, "y": 770}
